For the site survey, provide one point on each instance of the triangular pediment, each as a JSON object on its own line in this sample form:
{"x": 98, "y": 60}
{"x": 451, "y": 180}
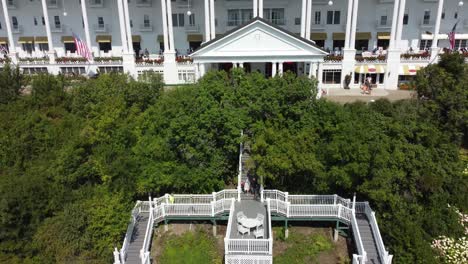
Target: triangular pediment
{"x": 258, "y": 39}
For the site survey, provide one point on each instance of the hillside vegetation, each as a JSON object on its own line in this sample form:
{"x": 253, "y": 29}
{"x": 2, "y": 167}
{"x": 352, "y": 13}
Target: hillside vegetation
{"x": 74, "y": 156}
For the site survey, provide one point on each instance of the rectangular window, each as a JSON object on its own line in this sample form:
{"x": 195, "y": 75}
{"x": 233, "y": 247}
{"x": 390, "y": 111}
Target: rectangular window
{"x": 427, "y": 17}
{"x": 35, "y": 21}
{"x": 425, "y": 44}
{"x": 14, "y": 22}
{"x": 105, "y": 46}
{"x": 100, "y": 21}
{"x": 405, "y": 19}
{"x": 331, "y": 76}
{"x": 297, "y": 21}
{"x": 338, "y": 44}
{"x": 233, "y": 17}
{"x": 461, "y": 43}
{"x": 333, "y": 17}
{"x": 178, "y": 20}
{"x": 146, "y": 21}
{"x": 28, "y": 47}
{"x": 43, "y": 21}
{"x": 246, "y": 15}
{"x": 362, "y": 44}
{"x": 43, "y": 46}
{"x": 57, "y": 22}
{"x": 181, "y": 19}
{"x": 192, "y": 20}
{"x": 383, "y": 20}
{"x": 317, "y": 17}
{"x": 277, "y": 16}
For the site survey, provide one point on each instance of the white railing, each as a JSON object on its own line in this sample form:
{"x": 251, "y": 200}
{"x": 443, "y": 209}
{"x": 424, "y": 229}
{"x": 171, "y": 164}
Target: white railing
{"x": 237, "y": 259}
{"x": 144, "y": 252}
{"x": 247, "y": 246}
{"x": 239, "y": 175}
{"x": 358, "y": 240}
{"x": 128, "y": 234}
{"x": 275, "y": 195}
{"x": 384, "y": 256}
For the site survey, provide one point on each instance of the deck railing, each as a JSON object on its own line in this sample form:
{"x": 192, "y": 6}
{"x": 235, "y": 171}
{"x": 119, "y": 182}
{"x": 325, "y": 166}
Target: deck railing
{"x": 239, "y": 175}
{"x": 144, "y": 252}
{"x": 362, "y": 257}
{"x": 384, "y": 256}
{"x": 128, "y": 234}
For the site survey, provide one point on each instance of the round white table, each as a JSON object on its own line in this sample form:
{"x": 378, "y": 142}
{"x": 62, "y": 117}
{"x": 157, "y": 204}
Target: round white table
{"x": 250, "y": 222}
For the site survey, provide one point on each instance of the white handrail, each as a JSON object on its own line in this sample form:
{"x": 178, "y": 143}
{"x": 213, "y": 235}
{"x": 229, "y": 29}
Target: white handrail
{"x": 239, "y": 175}
{"x": 357, "y": 239}
{"x": 128, "y": 234}
{"x": 144, "y": 252}
{"x": 384, "y": 256}
{"x": 270, "y": 232}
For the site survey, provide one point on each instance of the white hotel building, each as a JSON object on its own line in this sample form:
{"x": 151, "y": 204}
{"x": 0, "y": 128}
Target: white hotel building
{"x": 386, "y": 39}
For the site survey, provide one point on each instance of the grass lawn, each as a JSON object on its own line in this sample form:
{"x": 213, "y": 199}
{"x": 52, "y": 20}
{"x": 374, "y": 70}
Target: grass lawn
{"x": 194, "y": 247}
{"x": 303, "y": 247}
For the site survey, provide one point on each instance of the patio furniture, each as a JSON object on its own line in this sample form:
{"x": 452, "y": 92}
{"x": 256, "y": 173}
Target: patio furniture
{"x": 260, "y": 219}
{"x": 250, "y": 222}
{"x": 240, "y": 217}
{"x": 259, "y": 233}
{"x": 242, "y": 230}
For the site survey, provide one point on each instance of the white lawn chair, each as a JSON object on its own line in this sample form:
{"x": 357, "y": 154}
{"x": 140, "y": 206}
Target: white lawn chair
{"x": 260, "y": 219}
{"x": 259, "y": 233}
{"x": 242, "y": 230}
{"x": 240, "y": 216}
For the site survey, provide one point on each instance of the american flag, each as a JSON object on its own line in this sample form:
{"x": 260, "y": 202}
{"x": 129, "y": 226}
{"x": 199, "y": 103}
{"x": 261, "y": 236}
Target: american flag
{"x": 451, "y": 37}
{"x": 81, "y": 48}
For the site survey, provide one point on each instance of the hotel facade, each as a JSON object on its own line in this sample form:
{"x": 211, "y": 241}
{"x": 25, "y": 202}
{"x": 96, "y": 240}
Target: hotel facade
{"x": 388, "y": 40}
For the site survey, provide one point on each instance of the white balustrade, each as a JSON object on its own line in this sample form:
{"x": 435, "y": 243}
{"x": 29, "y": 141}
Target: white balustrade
{"x": 248, "y": 246}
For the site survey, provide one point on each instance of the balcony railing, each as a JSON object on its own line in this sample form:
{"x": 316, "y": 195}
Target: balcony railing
{"x": 386, "y": 25}
{"x": 427, "y": 23}
{"x": 17, "y": 29}
{"x": 192, "y": 28}
{"x": 96, "y": 3}
{"x": 146, "y": 27}
{"x": 57, "y": 28}
{"x": 144, "y": 3}
{"x": 101, "y": 28}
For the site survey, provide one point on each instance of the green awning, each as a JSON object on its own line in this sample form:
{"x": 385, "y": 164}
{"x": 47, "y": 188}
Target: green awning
{"x": 318, "y": 36}
{"x": 383, "y": 35}
{"x": 195, "y": 37}
{"x": 161, "y": 38}
{"x": 41, "y": 40}
{"x": 103, "y": 38}
{"x": 22, "y": 40}
{"x": 363, "y": 35}
{"x": 338, "y": 36}
{"x": 136, "y": 38}
{"x": 67, "y": 39}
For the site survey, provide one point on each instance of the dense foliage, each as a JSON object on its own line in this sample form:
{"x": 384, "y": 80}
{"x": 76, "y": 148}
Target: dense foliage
{"x": 75, "y": 157}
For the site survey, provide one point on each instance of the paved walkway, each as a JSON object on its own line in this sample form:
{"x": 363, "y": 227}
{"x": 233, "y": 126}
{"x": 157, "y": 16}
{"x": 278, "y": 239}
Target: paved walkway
{"x": 353, "y": 95}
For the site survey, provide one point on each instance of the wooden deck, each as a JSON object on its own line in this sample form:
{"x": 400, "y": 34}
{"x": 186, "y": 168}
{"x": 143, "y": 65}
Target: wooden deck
{"x": 250, "y": 208}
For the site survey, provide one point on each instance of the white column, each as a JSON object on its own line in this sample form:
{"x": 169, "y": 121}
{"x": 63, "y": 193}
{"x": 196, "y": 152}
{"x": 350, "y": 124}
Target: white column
{"x": 202, "y": 69}
{"x": 207, "y": 21}
{"x": 212, "y": 19}
{"x": 49, "y": 33}
{"x": 319, "y": 78}
{"x": 273, "y": 69}
{"x": 392, "y": 43}
{"x": 260, "y": 8}
{"x": 169, "y": 24}
{"x": 303, "y": 17}
{"x": 129, "y": 29}
{"x": 308, "y": 19}
{"x": 437, "y": 25}
{"x": 11, "y": 42}
{"x": 241, "y": 64}
{"x": 255, "y": 8}
{"x": 84, "y": 13}
{"x": 234, "y": 65}
{"x": 280, "y": 68}
{"x": 123, "y": 34}
{"x": 348, "y": 24}
{"x": 164, "y": 17}
{"x": 354, "y": 24}
{"x": 400, "y": 21}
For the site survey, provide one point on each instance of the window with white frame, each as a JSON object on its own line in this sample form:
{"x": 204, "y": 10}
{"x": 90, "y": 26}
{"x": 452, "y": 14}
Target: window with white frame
{"x": 237, "y": 17}
{"x": 425, "y": 44}
{"x": 427, "y": 17}
{"x": 146, "y": 21}
{"x": 43, "y": 46}
{"x": 274, "y": 15}
{"x": 333, "y": 17}
{"x": 461, "y": 43}
{"x": 331, "y": 77}
{"x": 191, "y": 19}
{"x": 383, "y": 20}
{"x": 178, "y": 20}
{"x": 317, "y": 17}
{"x": 57, "y": 23}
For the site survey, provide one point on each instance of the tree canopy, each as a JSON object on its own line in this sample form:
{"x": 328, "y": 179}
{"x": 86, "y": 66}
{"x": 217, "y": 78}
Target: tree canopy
{"x": 74, "y": 156}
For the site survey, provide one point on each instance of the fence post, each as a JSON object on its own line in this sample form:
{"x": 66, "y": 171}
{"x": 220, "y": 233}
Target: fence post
{"x": 212, "y": 208}
{"x": 288, "y": 204}
{"x": 214, "y": 196}
{"x": 354, "y": 203}
{"x": 163, "y": 210}
{"x": 334, "y": 199}
{"x": 339, "y": 210}
{"x": 261, "y": 194}
{"x": 116, "y": 256}
{"x": 286, "y": 196}
{"x": 166, "y": 196}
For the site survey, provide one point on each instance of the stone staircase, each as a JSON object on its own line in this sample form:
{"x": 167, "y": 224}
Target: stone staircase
{"x": 368, "y": 239}
{"x": 138, "y": 236}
